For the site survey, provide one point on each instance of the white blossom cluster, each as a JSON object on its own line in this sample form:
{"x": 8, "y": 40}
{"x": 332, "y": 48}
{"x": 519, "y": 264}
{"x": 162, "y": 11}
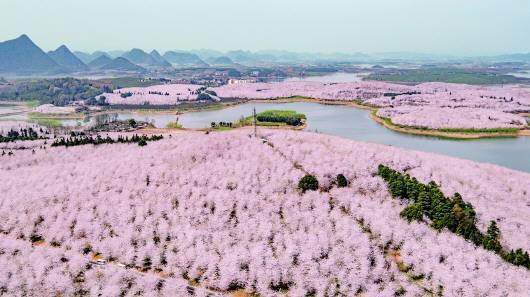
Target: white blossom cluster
{"x": 222, "y": 212}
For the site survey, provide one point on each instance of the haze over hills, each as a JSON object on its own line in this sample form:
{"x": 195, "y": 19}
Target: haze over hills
{"x": 122, "y": 64}
{"x": 222, "y": 60}
{"x": 184, "y": 59}
{"x": 67, "y": 60}
{"x": 22, "y": 56}
{"x": 207, "y": 53}
{"x": 115, "y": 53}
{"x": 142, "y": 58}
{"x": 99, "y": 62}
{"x": 161, "y": 61}
{"x": 87, "y": 58}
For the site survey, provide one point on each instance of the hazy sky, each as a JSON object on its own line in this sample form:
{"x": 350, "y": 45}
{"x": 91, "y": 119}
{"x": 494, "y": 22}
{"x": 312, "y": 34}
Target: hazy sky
{"x": 458, "y": 27}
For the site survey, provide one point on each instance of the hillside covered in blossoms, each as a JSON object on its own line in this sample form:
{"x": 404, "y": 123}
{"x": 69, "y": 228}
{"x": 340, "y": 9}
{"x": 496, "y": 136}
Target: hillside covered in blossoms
{"x": 431, "y": 105}
{"x": 424, "y": 106}
{"x": 243, "y": 148}
{"x": 225, "y": 214}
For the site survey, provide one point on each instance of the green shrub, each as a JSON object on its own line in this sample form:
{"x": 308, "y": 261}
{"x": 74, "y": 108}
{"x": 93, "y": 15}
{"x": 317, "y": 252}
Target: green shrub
{"x": 147, "y": 263}
{"x": 203, "y": 96}
{"x": 35, "y": 238}
{"x": 125, "y": 95}
{"x": 341, "y": 181}
{"x": 308, "y": 182}
{"x": 290, "y": 117}
{"x": 400, "y": 292}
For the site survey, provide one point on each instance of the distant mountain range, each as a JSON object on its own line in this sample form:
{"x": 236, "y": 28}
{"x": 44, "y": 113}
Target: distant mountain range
{"x": 99, "y": 62}
{"x": 21, "y": 56}
{"x": 184, "y": 59}
{"x": 122, "y": 64}
{"x": 159, "y": 59}
{"x": 142, "y": 58}
{"x": 67, "y": 60}
{"x": 221, "y": 61}
{"x": 87, "y": 58}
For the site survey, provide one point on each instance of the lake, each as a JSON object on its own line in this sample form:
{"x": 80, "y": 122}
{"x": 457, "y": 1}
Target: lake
{"x": 523, "y": 74}
{"x": 343, "y": 121}
{"x": 355, "y": 124}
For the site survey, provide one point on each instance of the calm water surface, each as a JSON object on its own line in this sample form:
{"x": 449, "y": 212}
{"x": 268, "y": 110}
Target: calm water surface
{"x": 350, "y": 123}
{"x": 525, "y": 74}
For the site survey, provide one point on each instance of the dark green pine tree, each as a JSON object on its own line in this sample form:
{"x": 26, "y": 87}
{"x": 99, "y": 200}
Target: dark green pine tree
{"x": 491, "y": 240}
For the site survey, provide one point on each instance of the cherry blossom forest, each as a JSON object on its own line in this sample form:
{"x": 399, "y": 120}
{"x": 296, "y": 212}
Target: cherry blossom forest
{"x": 226, "y": 213}
{"x": 239, "y": 148}
{"x": 427, "y": 105}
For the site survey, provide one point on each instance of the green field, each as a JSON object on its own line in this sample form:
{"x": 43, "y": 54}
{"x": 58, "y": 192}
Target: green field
{"x": 462, "y": 76}
{"x": 32, "y": 103}
{"x": 174, "y": 125}
{"x": 57, "y": 91}
{"x": 48, "y": 122}
{"x": 128, "y": 82}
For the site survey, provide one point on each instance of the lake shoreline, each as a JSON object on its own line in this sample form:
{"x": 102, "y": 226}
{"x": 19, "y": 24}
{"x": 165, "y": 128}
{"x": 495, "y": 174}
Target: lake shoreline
{"x": 405, "y": 130}
{"x": 189, "y": 108}
{"x": 151, "y": 130}
{"x": 443, "y": 134}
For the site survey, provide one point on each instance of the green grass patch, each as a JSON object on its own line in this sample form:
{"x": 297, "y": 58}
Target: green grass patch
{"x": 448, "y": 75}
{"x": 174, "y": 125}
{"x": 32, "y": 103}
{"x": 40, "y": 115}
{"x": 270, "y": 124}
{"x": 222, "y": 128}
{"x": 48, "y": 122}
{"x": 402, "y": 267}
{"x": 417, "y": 277}
{"x": 474, "y": 130}
{"x": 291, "y": 98}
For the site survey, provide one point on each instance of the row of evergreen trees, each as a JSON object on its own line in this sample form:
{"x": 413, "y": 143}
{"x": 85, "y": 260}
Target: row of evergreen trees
{"x": 21, "y": 134}
{"x": 309, "y": 182}
{"x": 452, "y": 213}
{"x": 82, "y": 140}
